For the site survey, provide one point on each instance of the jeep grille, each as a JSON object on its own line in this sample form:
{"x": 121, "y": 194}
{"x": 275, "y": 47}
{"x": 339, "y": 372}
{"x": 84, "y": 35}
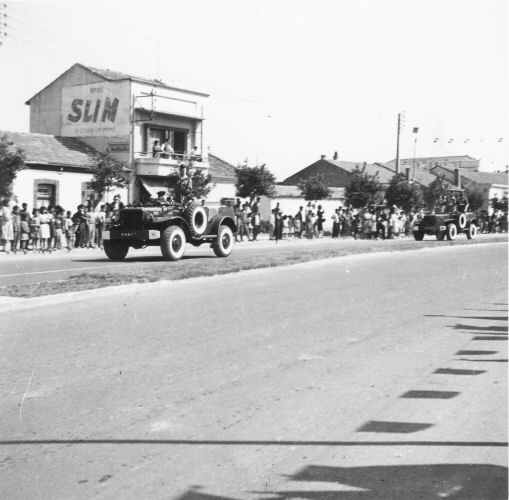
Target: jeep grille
{"x": 131, "y": 218}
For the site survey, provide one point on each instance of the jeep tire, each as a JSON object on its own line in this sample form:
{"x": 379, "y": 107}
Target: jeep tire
{"x": 196, "y": 217}
{"x": 173, "y": 243}
{"x": 418, "y": 235}
{"x": 440, "y": 235}
{"x": 115, "y": 250}
{"x": 471, "y": 231}
{"x": 451, "y": 231}
{"x": 224, "y": 242}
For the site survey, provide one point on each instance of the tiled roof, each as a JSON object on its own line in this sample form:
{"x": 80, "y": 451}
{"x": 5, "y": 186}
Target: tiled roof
{"x": 486, "y": 177}
{"x": 384, "y": 174}
{"x": 420, "y": 175}
{"x": 284, "y": 191}
{"x": 44, "y": 149}
{"x": 479, "y": 177}
{"x": 220, "y": 168}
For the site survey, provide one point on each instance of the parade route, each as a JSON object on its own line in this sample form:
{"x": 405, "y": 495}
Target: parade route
{"x": 286, "y": 383}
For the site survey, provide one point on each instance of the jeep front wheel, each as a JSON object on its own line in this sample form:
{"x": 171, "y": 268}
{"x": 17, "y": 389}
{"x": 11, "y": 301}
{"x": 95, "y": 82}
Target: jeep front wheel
{"x": 173, "y": 243}
{"x": 451, "y": 231}
{"x": 223, "y": 245}
{"x": 472, "y": 231}
{"x": 115, "y": 250}
{"x": 418, "y": 235}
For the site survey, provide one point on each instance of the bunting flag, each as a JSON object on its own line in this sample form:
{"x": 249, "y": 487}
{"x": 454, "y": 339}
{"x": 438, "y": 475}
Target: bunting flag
{"x": 466, "y": 141}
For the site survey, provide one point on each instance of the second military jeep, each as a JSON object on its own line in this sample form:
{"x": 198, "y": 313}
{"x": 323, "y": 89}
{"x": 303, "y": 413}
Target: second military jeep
{"x": 446, "y": 225}
{"x": 170, "y": 227}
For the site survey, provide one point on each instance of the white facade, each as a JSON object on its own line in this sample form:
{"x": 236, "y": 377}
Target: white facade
{"x": 290, "y": 201}
{"x": 69, "y": 188}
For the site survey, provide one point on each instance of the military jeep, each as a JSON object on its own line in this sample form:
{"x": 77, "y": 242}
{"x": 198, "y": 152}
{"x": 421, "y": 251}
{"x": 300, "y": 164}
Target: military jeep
{"x": 446, "y": 225}
{"x": 170, "y": 227}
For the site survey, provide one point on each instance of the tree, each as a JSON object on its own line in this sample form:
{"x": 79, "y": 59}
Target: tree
{"x": 107, "y": 174}
{"x": 436, "y": 190}
{"x": 202, "y": 184}
{"x": 254, "y": 181}
{"x": 363, "y": 188}
{"x": 403, "y": 193}
{"x": 314, "y": 188}
{"x": 12, "y": 160}
{"x": 475, "y": 197}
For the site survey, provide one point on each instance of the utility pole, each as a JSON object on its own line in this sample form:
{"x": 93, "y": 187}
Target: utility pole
{"x": 397, "y": 143}
{"x": 416, "y": 129}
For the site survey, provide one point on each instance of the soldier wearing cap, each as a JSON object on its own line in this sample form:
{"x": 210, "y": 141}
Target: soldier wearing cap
{"x": 160, "y": 200}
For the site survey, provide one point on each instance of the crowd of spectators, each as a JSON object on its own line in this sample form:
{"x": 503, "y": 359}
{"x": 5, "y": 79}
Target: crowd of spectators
{"x": 47, "y": 229}
{"x": 347, "y": 222}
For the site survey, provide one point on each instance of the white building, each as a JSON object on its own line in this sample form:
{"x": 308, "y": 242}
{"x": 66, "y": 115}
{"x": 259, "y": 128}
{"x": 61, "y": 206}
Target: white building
{"x": 88, "y": 108}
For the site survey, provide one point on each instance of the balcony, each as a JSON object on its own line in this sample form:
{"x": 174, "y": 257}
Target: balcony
{"x": 146, "y": 164}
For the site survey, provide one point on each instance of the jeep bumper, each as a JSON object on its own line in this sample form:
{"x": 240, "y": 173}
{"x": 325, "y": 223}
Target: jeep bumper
{"x": 131, "y": 234}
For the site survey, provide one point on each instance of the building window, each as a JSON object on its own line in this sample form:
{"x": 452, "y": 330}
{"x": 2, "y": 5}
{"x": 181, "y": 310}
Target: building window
{"x": 176, "y": 137}
{"x": 45, "y": 193}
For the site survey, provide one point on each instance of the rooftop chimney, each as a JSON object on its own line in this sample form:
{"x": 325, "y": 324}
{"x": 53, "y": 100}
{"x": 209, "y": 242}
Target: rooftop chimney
{"x": 457, "y": 177}
{"x": 336, "y": 156}
{"x": 322, "y": 157}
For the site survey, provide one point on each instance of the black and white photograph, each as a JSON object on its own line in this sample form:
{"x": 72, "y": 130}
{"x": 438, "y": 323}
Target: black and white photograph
{"x": 254, "y": 249}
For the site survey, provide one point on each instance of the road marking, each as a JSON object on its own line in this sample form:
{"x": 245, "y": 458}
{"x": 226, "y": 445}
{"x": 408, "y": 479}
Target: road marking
{"x": 57, "y": 270}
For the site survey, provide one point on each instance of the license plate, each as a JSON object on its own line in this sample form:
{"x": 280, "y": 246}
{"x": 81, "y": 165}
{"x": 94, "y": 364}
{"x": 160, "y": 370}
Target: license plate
{"x": 442, "y": 228}
{"x": 106, "y": 235}
{"x": 416, "y": 228}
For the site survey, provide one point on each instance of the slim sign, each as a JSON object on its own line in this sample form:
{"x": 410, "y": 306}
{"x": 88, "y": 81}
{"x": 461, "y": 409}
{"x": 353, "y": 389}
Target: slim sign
{"x": 95, "y": 109}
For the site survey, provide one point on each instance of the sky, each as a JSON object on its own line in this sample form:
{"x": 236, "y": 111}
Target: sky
{"x": 289, "y": 80}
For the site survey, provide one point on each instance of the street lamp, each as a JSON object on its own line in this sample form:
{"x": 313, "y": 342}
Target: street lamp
{"x": 415, "y": 130}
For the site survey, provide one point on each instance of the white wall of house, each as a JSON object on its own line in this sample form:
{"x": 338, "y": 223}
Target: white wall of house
{"x": 221, "y": 190}
{"x": 68, "y": 185}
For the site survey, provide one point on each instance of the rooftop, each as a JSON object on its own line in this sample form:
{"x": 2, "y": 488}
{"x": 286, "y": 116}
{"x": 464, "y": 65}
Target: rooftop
{"x": 482, "y": 177}
{"x": 116, "y": 76}
{"x": 45, "y": 149}
{"x": 220, "y": 168}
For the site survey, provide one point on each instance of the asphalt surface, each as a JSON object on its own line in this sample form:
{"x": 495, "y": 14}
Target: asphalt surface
{"x": 36, "y": 268}
{"x": 365, "y": 377}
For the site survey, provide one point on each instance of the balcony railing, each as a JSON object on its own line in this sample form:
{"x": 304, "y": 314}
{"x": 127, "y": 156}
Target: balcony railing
{"x": 165, "y": 163}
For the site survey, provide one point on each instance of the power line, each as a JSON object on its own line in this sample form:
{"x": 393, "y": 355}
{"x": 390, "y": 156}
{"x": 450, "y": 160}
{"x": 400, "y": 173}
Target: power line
{"x": 65, "y": 47}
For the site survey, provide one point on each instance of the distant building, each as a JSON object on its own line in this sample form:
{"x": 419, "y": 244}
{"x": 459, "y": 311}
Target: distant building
{"x": 87, "y": 109}
{"x": 338, "y": 173}
{"x": 464, "y": 162}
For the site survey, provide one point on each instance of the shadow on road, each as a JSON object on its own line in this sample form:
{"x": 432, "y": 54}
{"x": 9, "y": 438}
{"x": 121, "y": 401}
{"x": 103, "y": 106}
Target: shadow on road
{"x": 465, "y": 481}
{"x": 490, "y": 318}
{"x": 148, "y": 258}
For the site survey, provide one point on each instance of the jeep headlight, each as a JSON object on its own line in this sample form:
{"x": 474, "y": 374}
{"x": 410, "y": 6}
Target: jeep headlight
{"x": 148, "y": 218}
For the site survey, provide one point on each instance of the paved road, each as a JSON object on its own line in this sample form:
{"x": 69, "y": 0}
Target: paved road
{"x": 34, "y": 268}
{"x": 364, "y": 377}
